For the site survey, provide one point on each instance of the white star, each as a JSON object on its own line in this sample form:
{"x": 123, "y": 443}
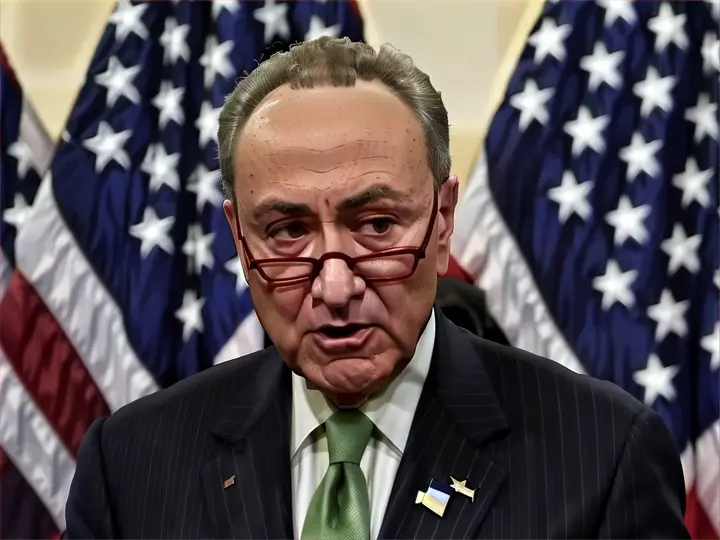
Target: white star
{"x": 694, "y": 183}
{"x": 682, "y": 250}
{"x": 198, "y": 248}
{"x": 615, "y": 285}
{"x": 571, "y": 197}
{"x": 628, "y": 221}
{"x": 549, "y": 39}
{"x": 207, "y": 123}
{"x": 531, "y": 103}
{"x": 22, "y": 152}
{"x": 215, "y": 60}
{"x": 219, "y": 5}
{"x": 108, "y": 146}
{"x": 161, "y": 167}
{"x": 668, "y": 28}
{"x": 711, "y": 343}
{"x": 318, "y": 29}
{"x": 17, "y": 214}
{"x": 716, "y": 279}
{"x": 235, "y": 266}
{"x": 640, "y": 157}
{"x": 618, "y": 9}
{"x": 118, "y": 80}
{"x": 603, "y": 67}
{"x": 669, "y": 316}
{"x": 190, "y": 314}
{"x": 657, "y": 380}
{"x": 704, "y": 116}
{"x": 174, "y": 41}
{"x": 711, "y": 53}
{"x": 274, "y": 17}
{"x": 586, "y": 131}
{"x": 206, "y": 185}
{"x": 127, "y": 18}
{"x": 654, "y": 91}
{"x": 169, "y": 102}
{"x": 152, "y": 232}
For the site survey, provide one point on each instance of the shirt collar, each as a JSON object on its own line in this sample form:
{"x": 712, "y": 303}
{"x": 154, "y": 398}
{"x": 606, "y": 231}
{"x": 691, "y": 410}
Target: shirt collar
{"x": 391, "y": 410}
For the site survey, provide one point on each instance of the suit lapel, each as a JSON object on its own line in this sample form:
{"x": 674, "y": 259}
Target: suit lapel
{"x": 457, "y": 413}
{"x": 247, "y": 482}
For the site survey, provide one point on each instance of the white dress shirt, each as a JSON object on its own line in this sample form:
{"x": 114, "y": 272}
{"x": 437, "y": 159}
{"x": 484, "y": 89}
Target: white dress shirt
{"x": 391, "y": 412}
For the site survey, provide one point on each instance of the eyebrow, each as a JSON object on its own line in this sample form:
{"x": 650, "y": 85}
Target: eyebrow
{"x": 278, "y": 206}
{"x": 369, "y": 195}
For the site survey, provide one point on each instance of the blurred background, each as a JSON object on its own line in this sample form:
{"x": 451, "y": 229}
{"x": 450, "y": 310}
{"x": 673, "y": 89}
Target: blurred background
{"x": 585, "y": 135}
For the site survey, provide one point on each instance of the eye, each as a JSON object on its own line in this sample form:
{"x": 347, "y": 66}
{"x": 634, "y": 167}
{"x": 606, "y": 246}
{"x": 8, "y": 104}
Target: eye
{"x": 378, "y": 225}
{"x": 289, "y": 231}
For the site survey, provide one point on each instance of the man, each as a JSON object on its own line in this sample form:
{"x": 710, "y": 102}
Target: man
{"x": 372, "y": 415}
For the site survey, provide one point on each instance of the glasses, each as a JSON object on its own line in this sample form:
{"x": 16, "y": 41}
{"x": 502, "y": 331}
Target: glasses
{"x": 394, "y": 264}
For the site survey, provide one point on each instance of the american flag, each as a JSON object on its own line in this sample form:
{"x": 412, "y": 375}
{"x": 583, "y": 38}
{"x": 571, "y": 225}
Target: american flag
{"x": 25, "y": 154}
{"x": 122, "y": 277}
{"x": 591, "y": 220}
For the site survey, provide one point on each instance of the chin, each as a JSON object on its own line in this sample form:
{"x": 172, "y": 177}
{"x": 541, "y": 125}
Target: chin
{"x": 348, "y": 378}
{"x": 357, "y": 376}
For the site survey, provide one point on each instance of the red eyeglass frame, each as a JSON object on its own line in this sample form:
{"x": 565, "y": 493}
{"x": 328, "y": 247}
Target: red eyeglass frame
{"x": 418, "y": 252}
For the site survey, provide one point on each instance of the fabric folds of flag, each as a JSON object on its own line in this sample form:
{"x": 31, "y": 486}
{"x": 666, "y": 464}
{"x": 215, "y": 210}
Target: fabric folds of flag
{"x": 127, "y": 278}
{"x": 591, "y": 221}
{"x": 26, "y": 510}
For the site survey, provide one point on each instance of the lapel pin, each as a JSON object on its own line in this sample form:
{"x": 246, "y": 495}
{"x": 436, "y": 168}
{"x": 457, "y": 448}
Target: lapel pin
{"x": 229, "y": 482}
{"x": 461, "y": 487}
{"x": 435, "y": 498}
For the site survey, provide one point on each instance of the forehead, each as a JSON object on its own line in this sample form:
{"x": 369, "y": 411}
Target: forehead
{"x": 325, "y": 142}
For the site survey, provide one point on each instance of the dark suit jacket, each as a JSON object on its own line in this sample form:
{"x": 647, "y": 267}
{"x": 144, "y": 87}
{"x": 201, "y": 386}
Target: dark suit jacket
{"x": 551, "y": 454}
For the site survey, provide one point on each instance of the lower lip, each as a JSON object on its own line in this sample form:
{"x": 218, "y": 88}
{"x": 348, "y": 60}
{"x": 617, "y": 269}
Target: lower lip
{"x": 353, "y": 342}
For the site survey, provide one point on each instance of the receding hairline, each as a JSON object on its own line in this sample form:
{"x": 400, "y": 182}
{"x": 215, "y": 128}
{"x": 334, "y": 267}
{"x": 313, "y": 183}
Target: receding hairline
{"x": 337, "y": 62}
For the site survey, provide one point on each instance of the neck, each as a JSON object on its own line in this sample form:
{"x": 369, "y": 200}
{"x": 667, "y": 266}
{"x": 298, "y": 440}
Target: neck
{"x": 347, "y": 401}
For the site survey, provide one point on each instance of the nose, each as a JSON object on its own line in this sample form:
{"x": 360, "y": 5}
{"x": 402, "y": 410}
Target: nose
{"x": 337, "y": 284}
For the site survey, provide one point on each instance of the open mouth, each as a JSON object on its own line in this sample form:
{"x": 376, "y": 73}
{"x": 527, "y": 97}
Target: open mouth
{"x": 339, "y": 332}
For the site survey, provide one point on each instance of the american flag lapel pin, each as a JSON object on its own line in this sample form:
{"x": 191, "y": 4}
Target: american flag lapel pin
{"x": 229, "y": 482}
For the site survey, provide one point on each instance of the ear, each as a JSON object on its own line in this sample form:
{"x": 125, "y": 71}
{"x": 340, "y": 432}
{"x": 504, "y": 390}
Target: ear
{"x": 447, "y": 201}
{"x": 229, "y": 209}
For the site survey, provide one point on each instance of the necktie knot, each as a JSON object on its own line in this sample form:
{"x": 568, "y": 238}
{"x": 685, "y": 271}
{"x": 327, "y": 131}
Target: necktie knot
{"x": 348, "y": 432}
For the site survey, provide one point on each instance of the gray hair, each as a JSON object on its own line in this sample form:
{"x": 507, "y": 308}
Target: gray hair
{"x": 337, "y": 62}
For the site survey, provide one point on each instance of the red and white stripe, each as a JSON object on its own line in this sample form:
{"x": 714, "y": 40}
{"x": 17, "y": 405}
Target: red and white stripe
{"x": 68, "y": 355}
{"x": 65, "y": 357}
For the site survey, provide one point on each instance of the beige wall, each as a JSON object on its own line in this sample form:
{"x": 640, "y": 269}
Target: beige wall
{"x": 467, "y": 46}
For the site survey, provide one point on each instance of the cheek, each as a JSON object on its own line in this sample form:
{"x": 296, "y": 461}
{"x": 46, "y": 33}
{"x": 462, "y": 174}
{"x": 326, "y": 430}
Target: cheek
{"x": 282, "y": 303}
{"x": 289, "y": 302}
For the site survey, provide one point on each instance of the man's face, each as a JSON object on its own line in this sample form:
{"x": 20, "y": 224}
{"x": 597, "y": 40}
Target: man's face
{"x": 340, "y": 170}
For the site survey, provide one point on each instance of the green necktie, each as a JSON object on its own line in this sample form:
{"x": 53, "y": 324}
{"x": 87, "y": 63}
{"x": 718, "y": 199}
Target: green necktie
{"x": 340, "y": 507}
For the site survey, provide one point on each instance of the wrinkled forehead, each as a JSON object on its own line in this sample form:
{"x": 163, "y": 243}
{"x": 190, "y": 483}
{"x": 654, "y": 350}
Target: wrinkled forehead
{"x": 324, "y": 143}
